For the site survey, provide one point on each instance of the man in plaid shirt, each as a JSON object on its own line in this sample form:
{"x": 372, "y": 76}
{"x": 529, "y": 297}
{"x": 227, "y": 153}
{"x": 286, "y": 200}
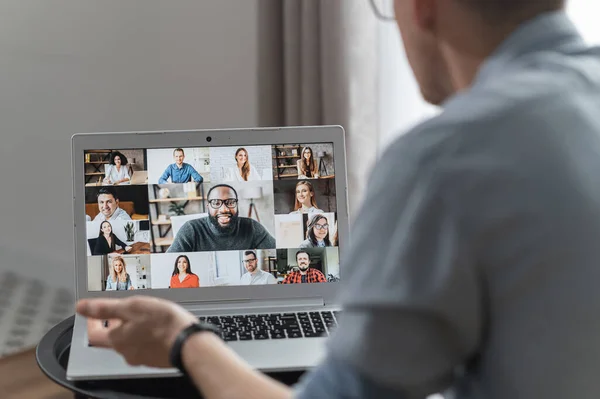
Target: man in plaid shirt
{"x": 306, "y": 273}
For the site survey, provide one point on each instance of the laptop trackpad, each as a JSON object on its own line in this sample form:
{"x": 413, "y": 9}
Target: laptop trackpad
{"x": 281, "y": 355}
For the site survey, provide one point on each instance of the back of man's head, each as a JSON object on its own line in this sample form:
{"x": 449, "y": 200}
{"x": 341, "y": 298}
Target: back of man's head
{"x": 513, "y": 11}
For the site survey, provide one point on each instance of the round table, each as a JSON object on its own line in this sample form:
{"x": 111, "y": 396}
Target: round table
{"x": 52, "y": 355}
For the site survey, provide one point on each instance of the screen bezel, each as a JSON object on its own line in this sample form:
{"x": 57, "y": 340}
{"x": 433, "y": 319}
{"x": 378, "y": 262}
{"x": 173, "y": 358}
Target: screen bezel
{"x": 198, "y": 138}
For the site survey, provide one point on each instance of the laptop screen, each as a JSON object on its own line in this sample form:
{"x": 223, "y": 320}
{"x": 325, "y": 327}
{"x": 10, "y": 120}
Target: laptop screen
{"x": 196, "y": 217}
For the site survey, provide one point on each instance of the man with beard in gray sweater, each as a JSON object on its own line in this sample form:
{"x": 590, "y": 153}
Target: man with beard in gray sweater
{"x": 223, "y": 229}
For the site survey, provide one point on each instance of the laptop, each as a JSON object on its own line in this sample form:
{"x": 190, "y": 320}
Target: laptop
{"x": 272, "y": 292}
{"x": 139, "y": 177}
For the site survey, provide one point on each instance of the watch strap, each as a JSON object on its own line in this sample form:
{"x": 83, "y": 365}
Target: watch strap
{"x": 175, "y": 355}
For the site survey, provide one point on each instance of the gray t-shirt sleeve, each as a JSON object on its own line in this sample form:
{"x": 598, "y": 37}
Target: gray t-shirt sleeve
{"x": 337, "y": 380}
{"x": 184, "y": 240}
{"x": 410, "y": 293}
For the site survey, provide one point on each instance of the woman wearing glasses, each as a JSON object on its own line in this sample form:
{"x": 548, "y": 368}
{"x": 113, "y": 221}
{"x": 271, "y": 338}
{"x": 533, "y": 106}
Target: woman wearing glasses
{"x": 182, "y": 276}
{"x": 307, "y": 165}
{"x": 317, "y": 234}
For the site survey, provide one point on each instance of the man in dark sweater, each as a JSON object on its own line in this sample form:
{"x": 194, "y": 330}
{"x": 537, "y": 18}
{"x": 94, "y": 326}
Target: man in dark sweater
{"x": 223, "y": 229}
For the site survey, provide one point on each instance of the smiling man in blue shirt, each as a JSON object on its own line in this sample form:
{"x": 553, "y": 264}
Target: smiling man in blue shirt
{"x": 474, "y": 262}
{"x": 180, "y": 172}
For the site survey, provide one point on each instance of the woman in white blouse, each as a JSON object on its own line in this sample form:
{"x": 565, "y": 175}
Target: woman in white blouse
{"x": 116, "y": 171}
{"x": 243, "y": 171}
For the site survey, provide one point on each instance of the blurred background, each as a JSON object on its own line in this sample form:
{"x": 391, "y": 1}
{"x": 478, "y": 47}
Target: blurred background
{"x": 69, "y": 66}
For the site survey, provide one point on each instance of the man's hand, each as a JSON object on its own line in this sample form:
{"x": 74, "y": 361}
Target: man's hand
{"x": 146, "y": 330}
{"x": 143, "y": 330}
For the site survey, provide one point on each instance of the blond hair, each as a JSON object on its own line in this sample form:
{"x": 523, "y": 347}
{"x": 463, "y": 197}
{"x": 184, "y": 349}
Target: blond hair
{"x": 246, "y": 166}
{"x": 122, "y": 277}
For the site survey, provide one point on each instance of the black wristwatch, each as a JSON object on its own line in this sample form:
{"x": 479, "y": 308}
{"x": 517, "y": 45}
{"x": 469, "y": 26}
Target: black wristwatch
{"x": 175, "y": 354}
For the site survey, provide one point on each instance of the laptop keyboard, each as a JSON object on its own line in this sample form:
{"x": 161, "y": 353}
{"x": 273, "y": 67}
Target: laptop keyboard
{"x": 274, "y": 325}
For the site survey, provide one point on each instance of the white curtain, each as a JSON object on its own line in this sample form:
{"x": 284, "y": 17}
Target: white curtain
{"x": 401, "y": 104}
{"x": 329, "y": 65}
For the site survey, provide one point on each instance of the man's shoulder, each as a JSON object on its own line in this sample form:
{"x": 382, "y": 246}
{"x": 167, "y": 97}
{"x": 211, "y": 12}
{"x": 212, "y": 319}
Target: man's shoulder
{"x": 198, "y": 221}
{"x": 122, "y": 214}
{"x": 264, "y": 273}
{"x": 195, "y": 224}
{"x": 317, "y": 272}
{"x": 250, "y": 223}
{"x": 481, "y": 124}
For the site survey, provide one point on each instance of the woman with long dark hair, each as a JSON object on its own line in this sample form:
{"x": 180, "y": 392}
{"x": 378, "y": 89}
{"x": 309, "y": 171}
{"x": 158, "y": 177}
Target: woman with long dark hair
{"x": 243, "y": 170}
{"x": 107, "y": 241}
{"x": 182, "y": 276}
{"x": 317, "y": 234}
{"x": 307, "y": 165}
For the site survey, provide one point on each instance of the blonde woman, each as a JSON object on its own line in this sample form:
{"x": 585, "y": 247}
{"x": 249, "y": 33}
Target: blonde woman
{"x": 305, "y": 198}
{"x": 243, "y": 171}
{"x": 119, "y": 279}
{"x": 307, "y": 165}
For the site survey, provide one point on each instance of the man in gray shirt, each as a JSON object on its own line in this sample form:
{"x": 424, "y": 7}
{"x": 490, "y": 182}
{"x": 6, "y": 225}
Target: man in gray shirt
{"x": 255, "y": 275}
{"x": 223, "y": 229}
{"x": 474, "y": 262}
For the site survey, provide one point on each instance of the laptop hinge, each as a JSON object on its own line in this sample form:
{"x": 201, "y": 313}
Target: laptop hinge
{"x": 254, "y": 305}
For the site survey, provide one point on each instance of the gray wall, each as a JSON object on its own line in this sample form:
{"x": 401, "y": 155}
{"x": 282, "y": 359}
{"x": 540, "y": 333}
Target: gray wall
{"x": 137, "y": 155}
{"x": 70, "y": 66}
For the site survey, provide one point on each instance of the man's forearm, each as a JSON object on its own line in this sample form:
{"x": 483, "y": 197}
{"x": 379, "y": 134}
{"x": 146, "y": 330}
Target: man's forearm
{"x": 164, "y": 178}
{"x": 219, "y": 373}
{"x": 197, "y": 177}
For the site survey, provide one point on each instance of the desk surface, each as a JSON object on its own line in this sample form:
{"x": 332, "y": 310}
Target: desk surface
{"x": 137, "y": 248}
{"x": 21, "y": 378}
